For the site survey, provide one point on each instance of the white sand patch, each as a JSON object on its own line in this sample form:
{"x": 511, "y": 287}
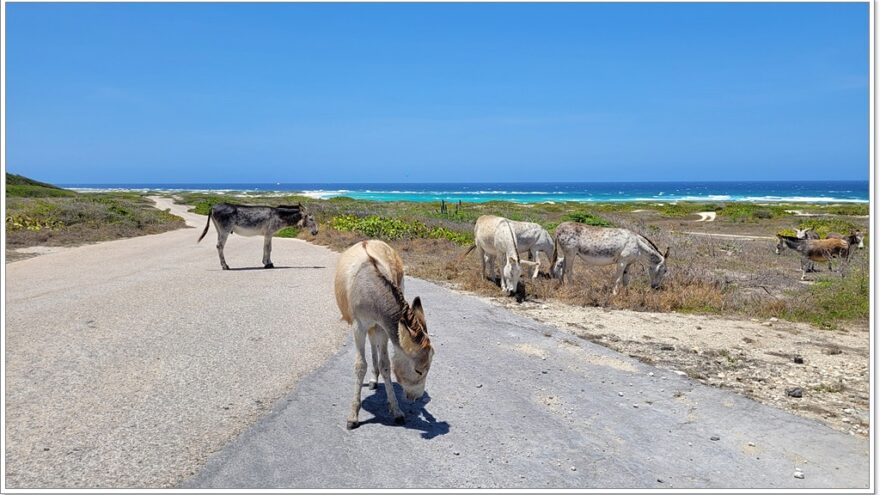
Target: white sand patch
{"x": 42, "y": 249}
{"x": 707, "y": 216}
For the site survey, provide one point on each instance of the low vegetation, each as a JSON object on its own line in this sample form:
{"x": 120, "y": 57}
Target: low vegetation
{"x": 733, "y": 277}
{"x": 42, "y": 214}
{"x": 707, "y": 275}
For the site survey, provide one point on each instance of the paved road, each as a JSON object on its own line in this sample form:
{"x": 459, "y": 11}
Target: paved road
{"x": 512, "y": 403}
{"x": 128, "y": 362}
{"x": 515, "y": 403}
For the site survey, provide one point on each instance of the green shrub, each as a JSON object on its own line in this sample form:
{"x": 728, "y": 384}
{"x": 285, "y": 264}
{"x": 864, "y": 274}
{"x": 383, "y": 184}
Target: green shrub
{"x": 588, "y": 219}
{"x": 824, "y": 226}
{"x": 24, "y": 222}
{"x": 287, "y": 232}
{"x": 391, "y": 229}
{"x": 682, "y": 209}
{"x": 835, "y": 300}
{"x": 854, "y": 209}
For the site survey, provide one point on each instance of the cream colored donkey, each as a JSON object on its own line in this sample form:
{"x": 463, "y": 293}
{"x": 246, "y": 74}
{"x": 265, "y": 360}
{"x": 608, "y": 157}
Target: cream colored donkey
{"x": 369, "y": 293}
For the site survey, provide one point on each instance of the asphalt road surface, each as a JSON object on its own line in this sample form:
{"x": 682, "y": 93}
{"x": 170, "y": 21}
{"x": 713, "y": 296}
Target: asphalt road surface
{"x": 130, "y": 362}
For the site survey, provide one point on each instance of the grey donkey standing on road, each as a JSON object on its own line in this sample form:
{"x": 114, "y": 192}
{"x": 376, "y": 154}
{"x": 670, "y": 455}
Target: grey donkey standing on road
{"x": 606, "y": 246}
{"x": 256, "y": 220}
{"x": 369, "y": 292}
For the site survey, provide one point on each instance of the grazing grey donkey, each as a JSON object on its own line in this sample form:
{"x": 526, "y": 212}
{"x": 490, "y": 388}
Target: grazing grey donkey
{"x": 606, "y": 246}
{"x": 256, "y": 220}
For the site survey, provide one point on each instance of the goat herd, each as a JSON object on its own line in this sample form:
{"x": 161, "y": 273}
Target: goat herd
{"x": 369, "y": 278}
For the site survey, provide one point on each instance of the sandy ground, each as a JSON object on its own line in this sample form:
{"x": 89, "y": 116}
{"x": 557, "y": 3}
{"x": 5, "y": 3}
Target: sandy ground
{"x": 759, "y": 359}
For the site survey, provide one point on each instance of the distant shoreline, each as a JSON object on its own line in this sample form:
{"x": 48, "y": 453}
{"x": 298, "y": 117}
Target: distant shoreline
{"x": 530, "y": 193}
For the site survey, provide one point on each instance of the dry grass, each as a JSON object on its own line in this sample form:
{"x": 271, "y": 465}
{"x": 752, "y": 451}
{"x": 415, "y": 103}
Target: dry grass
{"x": 706, "y": 275}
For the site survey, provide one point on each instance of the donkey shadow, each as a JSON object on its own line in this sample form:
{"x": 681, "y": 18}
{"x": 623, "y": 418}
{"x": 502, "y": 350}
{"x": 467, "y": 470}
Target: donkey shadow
{"x": 260, "y": 268}
{"x": 520, "y": 293}
{"x": 417, "y": 417}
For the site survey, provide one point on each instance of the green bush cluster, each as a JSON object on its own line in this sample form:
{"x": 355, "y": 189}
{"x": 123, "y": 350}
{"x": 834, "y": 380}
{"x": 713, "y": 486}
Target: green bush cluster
{"x": 742, "y": 212}
{"x": 24, "y": 222}
{"x": 287, "y": 232}
{"x": 836, "y": 299}
{"x": 855, "y": 209}
{"x": 824, "y": 226}
{"x": 588, "y": 218}
{"x": 378, "y": 227}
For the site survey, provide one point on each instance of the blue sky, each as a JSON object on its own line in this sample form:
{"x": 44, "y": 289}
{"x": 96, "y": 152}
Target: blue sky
{"x": 103, "y": 93}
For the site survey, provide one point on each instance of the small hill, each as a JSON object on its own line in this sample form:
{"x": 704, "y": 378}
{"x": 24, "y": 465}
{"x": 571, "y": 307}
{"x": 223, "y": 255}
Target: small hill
{"x": 19, "y": 186}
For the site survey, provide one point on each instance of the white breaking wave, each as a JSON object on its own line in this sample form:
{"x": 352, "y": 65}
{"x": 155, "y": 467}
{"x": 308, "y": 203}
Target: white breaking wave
{"x": 322, "y": 194}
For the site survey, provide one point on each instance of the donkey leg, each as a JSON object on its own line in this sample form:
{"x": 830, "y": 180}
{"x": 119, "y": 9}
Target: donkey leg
{"x": 618, "y": 278}
{"x": 533, "y": 256}
{"x": 568, "y": 267}
{"x": 221, "y": 241}
{"x": 267, "y": 252}
{"x": 374, "y": 351}
{"x": 385, "y": 369}
{"x": 626, "y": 275}
{"x": 360, "y": 370}
{"x": 490, "y": 263}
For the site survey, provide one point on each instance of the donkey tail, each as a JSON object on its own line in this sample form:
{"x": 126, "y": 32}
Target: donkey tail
{"x": 555, "y": 251}
{"x": 206, "y": 228}
{"x": 463, "y": 256}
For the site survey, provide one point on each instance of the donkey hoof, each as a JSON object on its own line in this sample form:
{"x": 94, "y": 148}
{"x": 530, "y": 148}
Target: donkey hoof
{"x": 225, "y": 267}
{"x": 269, "y": 265}
{"x": 350, "y": 425}
{"x": 399, "y": 420}
{"x": 371, "y": 385}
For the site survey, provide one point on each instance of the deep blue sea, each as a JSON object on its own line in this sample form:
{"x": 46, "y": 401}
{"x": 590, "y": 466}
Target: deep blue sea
{"x": 543, "y": 192}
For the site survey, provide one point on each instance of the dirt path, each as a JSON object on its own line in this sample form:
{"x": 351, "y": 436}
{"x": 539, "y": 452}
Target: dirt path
{"x": 730, "y": 236}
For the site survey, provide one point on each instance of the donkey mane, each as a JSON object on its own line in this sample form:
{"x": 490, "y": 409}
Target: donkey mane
{"x": 654, "y": 246}
{"x": 405, "y": 312}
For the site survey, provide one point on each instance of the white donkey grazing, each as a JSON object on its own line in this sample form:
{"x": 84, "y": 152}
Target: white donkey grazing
{"x": 606, "y": 246}
{"x": 494, "y": 237}
{"x": 369, "y": 293}
{"x": 531, "y": 238}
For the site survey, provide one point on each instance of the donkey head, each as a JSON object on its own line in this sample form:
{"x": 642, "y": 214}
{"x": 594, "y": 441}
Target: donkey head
{"x": 411, "y": 366}
{"x": 860, "y": 237}
{"x": 510, "y": 275}
{"x": 658, "y": 271}
{"x": 308, "y": 222}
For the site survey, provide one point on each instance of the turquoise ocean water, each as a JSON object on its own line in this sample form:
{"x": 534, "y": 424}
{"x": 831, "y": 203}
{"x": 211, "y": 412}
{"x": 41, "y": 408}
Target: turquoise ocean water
{"x": 542, "y": 192}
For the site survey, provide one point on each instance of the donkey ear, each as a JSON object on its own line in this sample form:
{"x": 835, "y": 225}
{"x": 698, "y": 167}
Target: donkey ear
{"x": 416, "y": 306}
{"x": 666, "y": 254}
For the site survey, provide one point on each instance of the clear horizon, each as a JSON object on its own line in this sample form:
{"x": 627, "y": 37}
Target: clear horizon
{"x": 468, "y": 182}
{"x": 473, "y": 93}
